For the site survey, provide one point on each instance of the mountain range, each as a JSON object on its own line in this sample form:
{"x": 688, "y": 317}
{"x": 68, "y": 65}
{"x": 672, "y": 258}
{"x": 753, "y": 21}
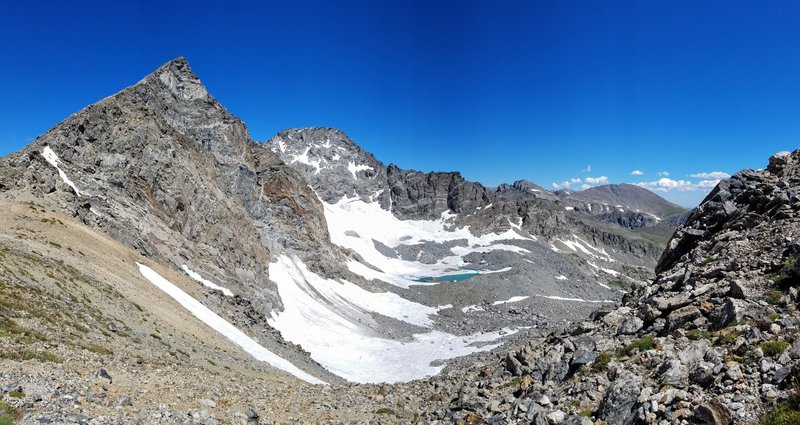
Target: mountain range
{"x": 161, "y": 266}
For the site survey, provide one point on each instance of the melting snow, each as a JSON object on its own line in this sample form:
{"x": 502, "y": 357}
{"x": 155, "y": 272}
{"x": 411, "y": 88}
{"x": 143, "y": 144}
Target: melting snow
{"x": 353, "y": 168}
{"x": 325, "y": 316}
{"x": 304, "y": 159}
{"x": 511, "y": 300}
{"x": 578, "y": 244}
{"x": 222, "y": 326}
{"x": 550, "y": 297}
{"x": 471, "y": 308}
{"x": 53, "y": 160}
{"x": 353, "y": 216}
{"x": 208, "y": 283}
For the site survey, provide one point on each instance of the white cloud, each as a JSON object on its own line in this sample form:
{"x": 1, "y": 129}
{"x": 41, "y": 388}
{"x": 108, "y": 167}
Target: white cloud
{"x": 714, "y": 175}
{"x": 596, "y": 180}
{"x": 663, "y": 174}
{"x": 665, "y": 185}
{"x": 588, "y": 169}
{"x": 636, "y": 173}
{"x": 566, "y": 183}
{"x": 707, "y": 184}
{"x": 585, "y": 186}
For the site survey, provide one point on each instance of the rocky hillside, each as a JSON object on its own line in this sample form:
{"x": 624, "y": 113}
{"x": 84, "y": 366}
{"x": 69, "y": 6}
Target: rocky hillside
{"x": 714, "y": 339}
{"x": 336, "y": 168}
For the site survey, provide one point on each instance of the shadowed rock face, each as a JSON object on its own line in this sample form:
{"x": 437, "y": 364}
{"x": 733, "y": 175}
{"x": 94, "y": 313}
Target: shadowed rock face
{"x": 164, "y": 168}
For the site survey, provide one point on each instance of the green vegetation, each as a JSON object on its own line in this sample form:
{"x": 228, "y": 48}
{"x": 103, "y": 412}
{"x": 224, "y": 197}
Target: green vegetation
{"x": 9, "y": 329}
{"x": 23, "y": 355}
{"x": 643, "y": 344}
{"x": 774, "y": 348}
{"x": 602, "y": 360}
{"x": 16, "y": 394}
{"x": 773, "y": 297}
{"x": 211, "y": 362}
{"x": 786, "y": 412}
{"x": 95, "y": 348}
{"x": 384, "y": 411}
{"x": 786, "y": 276}
{"x": 730, "y": 337}
{"x": 7, "y": 413}
{"x": 696, "y": 334}
{"x": 773, "y": 317}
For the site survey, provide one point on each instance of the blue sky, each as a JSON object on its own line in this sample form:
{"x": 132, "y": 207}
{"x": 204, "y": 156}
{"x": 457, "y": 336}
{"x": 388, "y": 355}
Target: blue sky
{"x": 551, "y": 91}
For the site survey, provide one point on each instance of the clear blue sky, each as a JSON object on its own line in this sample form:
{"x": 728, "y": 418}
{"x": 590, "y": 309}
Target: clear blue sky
{"x": 500, "y": 90}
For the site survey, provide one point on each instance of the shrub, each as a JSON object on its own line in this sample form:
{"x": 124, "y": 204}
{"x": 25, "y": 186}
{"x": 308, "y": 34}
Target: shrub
{"x": 601, "y": 361}
{"x": 643, "y": 344}
{"x": 786, "y": 412}
{"x": 773, "y": 297}
{"x": 774, "y": 348}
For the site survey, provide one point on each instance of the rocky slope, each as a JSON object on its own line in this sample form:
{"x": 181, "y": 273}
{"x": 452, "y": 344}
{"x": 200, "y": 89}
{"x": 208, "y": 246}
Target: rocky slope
{"x": 714, "y": 339}
{"x": 341, "y": 173}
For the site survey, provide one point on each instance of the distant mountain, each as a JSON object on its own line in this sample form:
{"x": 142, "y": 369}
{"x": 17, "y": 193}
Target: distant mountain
{"x": 629, "y": 197}
{"x": 627, "y": 206}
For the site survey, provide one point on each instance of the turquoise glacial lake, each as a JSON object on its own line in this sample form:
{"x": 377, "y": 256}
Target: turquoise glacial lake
{"x": 448, "y": 278}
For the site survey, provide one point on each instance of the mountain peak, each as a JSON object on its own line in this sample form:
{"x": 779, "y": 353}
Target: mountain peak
{"x": 177, "y": 76}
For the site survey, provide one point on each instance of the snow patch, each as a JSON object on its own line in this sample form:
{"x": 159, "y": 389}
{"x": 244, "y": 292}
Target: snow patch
{"x": 53, "y": 160}
{"x": 471, "y": 308}
{"x": 205, "y": 282}
{"x": 581, "y": 300}
{"x": 579, "y": 245}
{"x": 562, "y": 277}
{"x": 353, "y": 168}
{"x": 304, "y": 159}
{"x": 354, "y": 216}
{"x": 511, "y": 300}
{"x": 222, "y": 326}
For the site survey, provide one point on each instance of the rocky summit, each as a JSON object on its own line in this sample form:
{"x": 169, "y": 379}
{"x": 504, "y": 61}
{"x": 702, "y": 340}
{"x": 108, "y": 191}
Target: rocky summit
{"x": 157, "y": 265}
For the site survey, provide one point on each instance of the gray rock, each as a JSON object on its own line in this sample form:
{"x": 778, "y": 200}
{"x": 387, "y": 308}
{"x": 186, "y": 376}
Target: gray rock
{"x": 714, "y": 412}
{"x": 630, "y": 326}
{"x": 619, "y": 402}
{"x": 682, "y": 316}
{"x": 673, "y": 372}
{"x": 102, "y": 373}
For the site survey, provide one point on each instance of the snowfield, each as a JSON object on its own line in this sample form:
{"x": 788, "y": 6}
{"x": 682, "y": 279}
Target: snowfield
{"x": 355, "y": 224}
{"x": 333, "y": 321}
{"x": 222, "y": 326}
